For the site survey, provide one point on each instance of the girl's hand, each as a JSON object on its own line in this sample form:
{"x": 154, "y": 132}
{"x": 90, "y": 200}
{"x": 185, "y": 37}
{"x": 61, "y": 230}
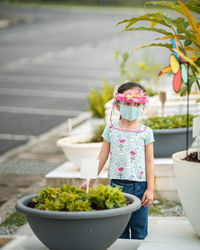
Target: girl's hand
{"x": 147, "y": 198}
{"x": 84, "y": 185}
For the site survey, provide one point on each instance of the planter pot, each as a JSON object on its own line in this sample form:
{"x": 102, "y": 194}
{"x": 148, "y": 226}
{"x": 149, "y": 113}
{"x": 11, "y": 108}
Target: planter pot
{"x": 169, "y": 141}
{"x": 187, "y": 176}
{"x": 75, "y": 149}
{"x": 78, "y": 230}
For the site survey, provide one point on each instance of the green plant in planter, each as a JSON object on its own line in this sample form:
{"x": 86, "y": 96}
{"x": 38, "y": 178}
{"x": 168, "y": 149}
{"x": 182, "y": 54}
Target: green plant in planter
{"x": 97, "y": 133}
{"x": 70, "y": 198}
{"x": 97, "y": 99}
{"x": 170, "y": 122}
{"x": 106, "y": 197}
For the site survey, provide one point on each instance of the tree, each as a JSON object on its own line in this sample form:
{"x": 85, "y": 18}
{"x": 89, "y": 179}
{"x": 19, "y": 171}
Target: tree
{"x": 185, "y": 28}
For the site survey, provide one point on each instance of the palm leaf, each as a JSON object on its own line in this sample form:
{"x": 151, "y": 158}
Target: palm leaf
{"x": 189, "y": 48}
{"x": 164, "y": 70}
{"x": 188, "y": 59}
{"x": 161, "y": 19}
{"x": 181, "y": 37}
{"x": 162, "y": 31}
{"x": 168, "y": 4}
{"x": 165, "y": 45}
{"x": 152, "y": 17}
{"x": 193, "y": 5}
{"x": 178, "y": 23}
{"x": 189, "y": 16}
{"x": 198, "y": 34}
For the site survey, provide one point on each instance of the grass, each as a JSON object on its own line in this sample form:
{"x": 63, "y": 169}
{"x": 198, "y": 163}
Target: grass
{"x": 163, "y": 207}
{"x": 18, "y": 219}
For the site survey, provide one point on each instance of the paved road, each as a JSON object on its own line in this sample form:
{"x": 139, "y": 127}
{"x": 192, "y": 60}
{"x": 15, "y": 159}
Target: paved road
{"x": 48, "y": 66}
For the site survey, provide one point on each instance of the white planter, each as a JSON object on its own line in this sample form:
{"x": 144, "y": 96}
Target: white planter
{"x": 75, "y": 149}
{"x": 175, "y": 104}
{"x": 187, "y": 176}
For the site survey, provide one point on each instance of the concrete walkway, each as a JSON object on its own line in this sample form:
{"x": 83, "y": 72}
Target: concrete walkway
{"x": 165, "y": 233}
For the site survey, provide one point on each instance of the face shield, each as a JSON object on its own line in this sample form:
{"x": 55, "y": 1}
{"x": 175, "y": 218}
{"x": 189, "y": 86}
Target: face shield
{"x": 130, "y": 106}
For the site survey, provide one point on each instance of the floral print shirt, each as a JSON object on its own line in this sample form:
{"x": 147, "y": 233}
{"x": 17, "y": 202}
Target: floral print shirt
{"x": 127, "y": 152}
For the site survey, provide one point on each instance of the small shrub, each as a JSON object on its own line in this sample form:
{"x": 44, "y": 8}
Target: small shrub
{"x": 16, "y": 218}
{"x": 170, "y": 122}
{"x": 70, "y": 198}
{"x": 97, "y": 99}
{"x": 97, "y": 134}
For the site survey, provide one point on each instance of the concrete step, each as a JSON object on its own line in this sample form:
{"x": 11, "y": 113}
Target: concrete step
{"x": 171, "y": 233}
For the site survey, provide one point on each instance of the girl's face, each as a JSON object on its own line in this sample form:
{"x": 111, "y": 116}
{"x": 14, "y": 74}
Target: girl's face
{"x": 129, "y": 105}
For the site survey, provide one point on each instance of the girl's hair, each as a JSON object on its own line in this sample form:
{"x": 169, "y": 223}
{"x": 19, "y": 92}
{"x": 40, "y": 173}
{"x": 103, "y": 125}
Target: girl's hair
{"x": 129, "y": 85}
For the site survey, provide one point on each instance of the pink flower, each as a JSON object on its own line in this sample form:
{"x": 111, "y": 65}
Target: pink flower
{"x": 141, "y": 172}
{"x": 133, "y": 153}
{"x": 120, "y": 169}
{"x": 122, "y": 141}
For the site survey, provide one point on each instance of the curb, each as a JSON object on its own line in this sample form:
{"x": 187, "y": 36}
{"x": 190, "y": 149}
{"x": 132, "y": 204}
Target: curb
{"x": 9, "y": 207}
{"x": 45, "y": 136}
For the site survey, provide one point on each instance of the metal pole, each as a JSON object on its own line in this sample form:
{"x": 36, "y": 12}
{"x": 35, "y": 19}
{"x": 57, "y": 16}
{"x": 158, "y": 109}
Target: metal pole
{"x": 187, "y": 136}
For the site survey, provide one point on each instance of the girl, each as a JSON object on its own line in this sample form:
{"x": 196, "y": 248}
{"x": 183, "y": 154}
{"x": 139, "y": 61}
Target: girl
{"x": 130, "y": 145}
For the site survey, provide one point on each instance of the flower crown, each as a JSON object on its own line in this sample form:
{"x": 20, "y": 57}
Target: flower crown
{"x": 132, "y": 96}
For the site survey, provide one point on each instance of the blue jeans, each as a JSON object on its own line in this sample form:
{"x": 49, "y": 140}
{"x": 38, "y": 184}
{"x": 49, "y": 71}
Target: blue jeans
{"x": 137, "y": 227}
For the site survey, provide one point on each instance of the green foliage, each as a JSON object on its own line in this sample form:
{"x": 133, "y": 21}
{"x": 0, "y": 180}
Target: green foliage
{"x": 97, "y": 133}
{"x": 133, "y": 70}
{"x": 170, "y": 122}
{"x": 106, "y": 197}
{"x": 150, "y": 92}
{"x": 136, "y": 71}
{"x": 97, "y": 99}
{"x": 16, "y": 218}
{"x": 191, "y": 4}
{"x": 164, "y": 208}
{"x": 70, "y": 198}
{"x": 185, "y": 28}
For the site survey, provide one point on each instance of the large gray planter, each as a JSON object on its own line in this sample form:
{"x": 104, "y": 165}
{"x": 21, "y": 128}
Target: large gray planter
{"x": 169, "y": 141}
{"x": 94, "y": 230}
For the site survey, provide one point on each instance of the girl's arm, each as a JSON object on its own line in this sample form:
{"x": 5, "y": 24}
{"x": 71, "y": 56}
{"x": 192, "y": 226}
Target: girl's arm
{"x": 103, "y": 156}
{"x": 147, "y": 198}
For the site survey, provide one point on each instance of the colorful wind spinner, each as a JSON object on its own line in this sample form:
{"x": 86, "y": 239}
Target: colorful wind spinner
{"x": 178, "y": 66}
{"x": 180, "y": 69}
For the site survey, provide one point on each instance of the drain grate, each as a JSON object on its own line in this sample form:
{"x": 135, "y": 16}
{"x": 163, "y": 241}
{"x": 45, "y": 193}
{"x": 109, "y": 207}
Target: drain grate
{"x": 27, "y": 167}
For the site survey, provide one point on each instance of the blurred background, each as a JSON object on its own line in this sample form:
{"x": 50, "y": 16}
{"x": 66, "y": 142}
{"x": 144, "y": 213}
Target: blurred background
{"x": 52, "y": 53}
